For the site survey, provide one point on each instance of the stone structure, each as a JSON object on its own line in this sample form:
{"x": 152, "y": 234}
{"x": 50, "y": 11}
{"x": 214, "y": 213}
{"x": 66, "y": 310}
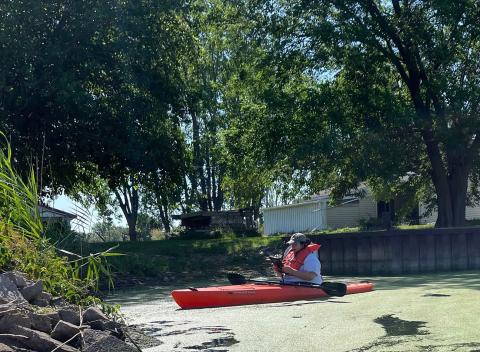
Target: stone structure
{"x": 31, "y": 320}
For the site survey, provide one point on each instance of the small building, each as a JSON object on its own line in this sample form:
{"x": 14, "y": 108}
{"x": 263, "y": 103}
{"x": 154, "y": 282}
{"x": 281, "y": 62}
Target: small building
{"x": 235, "y": 220}
{"x": 315, "y": 214}
{"x": 51, "y": 215}
{"x": 309, "y": 215}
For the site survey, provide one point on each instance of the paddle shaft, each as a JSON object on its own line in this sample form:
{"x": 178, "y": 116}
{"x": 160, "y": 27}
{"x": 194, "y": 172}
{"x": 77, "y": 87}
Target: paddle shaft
{"x": 273, "y": 282}
{"x": 330, "y": 288}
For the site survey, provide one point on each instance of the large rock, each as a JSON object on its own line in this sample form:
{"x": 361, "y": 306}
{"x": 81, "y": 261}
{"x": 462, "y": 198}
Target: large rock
{"x": 70, "y": 316}
{"x": 14, "y": 342}
{"x": 58, "y": 302}
{"x": 93, "y": 314}
{"x": 40, "y": 341}
{"x": 5, "y": 348}
{"x": 64, "y": 331}
{"x": 98, "y": 325}
{"x": 29, "y": 292}
{"x": 17, "y": 277}
{"x": 91, "y": 336}
{"x": 10, "y": 320}
{"x": 9, "y": 292}
{"x": 42, "y": 322}
{"x": 54, "y": 316}
{"x": 42, "y": 300}
{"x": 110, "y": 344}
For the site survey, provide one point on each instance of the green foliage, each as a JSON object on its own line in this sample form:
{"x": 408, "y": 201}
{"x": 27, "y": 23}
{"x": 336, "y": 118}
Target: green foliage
{"x": 91, "y": 92}
{"x": 105, "y": 231}
{"x": 372, "y": 224}
{"x": 414, "y": 227}
{"x": 24, "y": 246}
{"x": 346, "y": 92}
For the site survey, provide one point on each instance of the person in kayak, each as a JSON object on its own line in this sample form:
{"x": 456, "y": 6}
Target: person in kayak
{"x": 300, "y": 261}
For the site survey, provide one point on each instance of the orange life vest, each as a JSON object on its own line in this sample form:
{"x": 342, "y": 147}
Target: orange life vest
{"x": 295, "y": 260}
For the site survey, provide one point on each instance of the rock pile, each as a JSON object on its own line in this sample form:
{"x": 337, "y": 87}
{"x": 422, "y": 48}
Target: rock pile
{"x": 33, "y": 320}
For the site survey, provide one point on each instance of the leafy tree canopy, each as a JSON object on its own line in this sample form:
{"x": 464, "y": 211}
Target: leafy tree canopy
{"x": 384, "y": 91}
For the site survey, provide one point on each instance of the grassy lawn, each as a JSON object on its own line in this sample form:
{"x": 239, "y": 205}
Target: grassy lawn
{"x": 188, "y": 258}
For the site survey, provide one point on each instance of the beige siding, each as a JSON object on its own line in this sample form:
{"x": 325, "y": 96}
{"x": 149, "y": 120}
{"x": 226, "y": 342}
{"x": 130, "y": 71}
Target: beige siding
{"x": 348, "y": 215}
{"x": 300, "y": 217}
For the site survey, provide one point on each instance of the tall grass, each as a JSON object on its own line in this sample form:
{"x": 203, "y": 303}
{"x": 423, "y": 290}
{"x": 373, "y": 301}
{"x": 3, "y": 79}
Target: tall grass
{"x": 18, "y": 199}
{"x": 24, "y": 247}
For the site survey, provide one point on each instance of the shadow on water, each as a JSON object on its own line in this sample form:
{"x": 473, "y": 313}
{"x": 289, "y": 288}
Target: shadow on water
{"x": 220, "y": 342}
{"x": 164, "y": 328}
{"x": 435, "y": 295}
{"x": 303, "y": 303}
{"x": 397, "y": 331}
{"x": 394, "y": 326}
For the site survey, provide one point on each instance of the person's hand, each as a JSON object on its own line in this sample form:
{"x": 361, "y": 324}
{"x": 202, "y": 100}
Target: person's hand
{"x": 287, "y": 270}
{"x": 276, "y": 269}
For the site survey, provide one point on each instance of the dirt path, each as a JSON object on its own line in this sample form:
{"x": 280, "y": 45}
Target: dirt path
{"x": 418, "y": 313}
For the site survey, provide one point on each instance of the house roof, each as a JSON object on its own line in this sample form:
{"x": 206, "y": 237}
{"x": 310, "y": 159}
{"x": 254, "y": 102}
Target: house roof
{"x": 320, "y": 196}
{"x": 53, "y": 212}
{"x": 317, "y": 199}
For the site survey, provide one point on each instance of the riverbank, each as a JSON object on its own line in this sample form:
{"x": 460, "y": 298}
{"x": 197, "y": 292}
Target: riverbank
{"x": 167, "y": 261}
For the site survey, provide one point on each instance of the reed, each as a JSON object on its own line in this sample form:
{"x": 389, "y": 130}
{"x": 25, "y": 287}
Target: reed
{"x": 24, "y": 247}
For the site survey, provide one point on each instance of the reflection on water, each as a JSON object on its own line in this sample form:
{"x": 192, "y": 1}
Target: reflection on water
{"x": 143, "y": 295}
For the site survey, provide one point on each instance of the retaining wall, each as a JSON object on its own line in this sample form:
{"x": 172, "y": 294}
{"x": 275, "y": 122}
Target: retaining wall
{"x": 399, "y": 252}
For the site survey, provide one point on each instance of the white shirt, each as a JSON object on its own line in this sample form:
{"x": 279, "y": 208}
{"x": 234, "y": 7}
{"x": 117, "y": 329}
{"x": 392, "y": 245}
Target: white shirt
{"x": 310, "y": 264}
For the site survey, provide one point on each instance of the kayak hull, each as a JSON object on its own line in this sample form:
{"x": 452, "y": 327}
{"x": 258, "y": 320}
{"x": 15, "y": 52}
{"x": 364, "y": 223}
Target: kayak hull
{"x": 234, "y": 295}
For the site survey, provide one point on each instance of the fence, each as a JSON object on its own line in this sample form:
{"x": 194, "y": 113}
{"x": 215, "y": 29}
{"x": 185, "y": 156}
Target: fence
{"x": 399, "y": 251}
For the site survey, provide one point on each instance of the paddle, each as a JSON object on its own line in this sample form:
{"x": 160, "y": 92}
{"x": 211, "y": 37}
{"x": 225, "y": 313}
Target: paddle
{"x": 330, "y": 288}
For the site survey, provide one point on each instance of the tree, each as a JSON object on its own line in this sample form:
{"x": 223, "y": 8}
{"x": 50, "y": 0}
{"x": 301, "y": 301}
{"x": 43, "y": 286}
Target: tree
{"x": 91, "y": 90}
{"x": 382, "y": 91}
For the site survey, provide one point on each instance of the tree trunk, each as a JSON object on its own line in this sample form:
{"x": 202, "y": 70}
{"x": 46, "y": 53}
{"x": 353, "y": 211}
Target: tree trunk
{"x": 209, "y": 179}
{"x": 164, "y": 218}
{"x": 129, "y": 201}
{"x": 219, "y": 195}
{"x": 132, "y": 231}
{"x": 458, "y": 189}
{"x": 451, "y": 188}
{"x": 187, "y": 205}
{"x": 198, "y": 165}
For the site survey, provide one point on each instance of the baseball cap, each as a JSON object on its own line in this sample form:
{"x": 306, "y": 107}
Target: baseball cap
{"x": 297, "y": 238}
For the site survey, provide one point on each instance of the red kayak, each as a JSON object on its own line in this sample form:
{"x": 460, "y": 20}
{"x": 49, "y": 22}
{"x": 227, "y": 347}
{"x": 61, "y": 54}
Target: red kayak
{"x": 234, "y": 295}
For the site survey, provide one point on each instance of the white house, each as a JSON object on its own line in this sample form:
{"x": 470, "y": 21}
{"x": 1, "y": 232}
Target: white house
{"x": 49, "y": 214}
{"x": 304, "y": 216}
{"x": 471, "y": 213}
{"x": 315, "y": 214}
